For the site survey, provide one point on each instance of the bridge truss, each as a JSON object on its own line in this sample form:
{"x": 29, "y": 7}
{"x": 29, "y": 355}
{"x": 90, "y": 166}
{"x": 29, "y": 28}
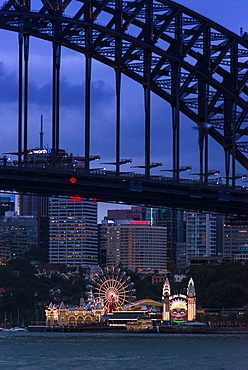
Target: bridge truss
{"x": 193, "y": 63}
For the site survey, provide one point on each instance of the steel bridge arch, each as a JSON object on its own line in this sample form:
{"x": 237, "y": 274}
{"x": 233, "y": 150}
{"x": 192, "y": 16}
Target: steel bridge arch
{"x": 195, "y": 64}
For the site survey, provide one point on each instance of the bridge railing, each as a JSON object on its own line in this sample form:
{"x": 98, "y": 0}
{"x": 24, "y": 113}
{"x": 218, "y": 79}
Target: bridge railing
{"x": 70, "y": 170}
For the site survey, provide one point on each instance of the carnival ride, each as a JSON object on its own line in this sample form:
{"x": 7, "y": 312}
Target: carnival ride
{"x": 113, "y": 288}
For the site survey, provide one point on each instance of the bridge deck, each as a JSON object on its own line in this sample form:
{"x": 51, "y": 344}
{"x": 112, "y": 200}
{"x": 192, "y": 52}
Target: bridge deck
{"x": 128, "y": 188}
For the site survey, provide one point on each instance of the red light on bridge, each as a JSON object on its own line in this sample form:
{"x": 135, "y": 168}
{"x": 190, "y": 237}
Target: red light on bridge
{"x": 76, "y": 199}
{"x": 73, "y": 180}
{"x": 139, "y": 222}
{"x": 95, "y": 200}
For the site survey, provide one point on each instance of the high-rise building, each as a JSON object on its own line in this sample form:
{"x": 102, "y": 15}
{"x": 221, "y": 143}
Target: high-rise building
{"x": 43, "y": 222}
{"x": 200, "y": 234}
{"x": 113, "y": 217}
{"x": 102, "y": 244}
{"x": 19, "y": 233}
{"x": 174, "y": 221}
{"x": 132, "y": 214}
{"x": 73, "y": 232}
{"x": 235, "y": 235}
{"x": 220, "y": 220}
{"x": 181, "y": 261}
{"x": 27, "y": 205}
{"x": 37, "y": 206}
{"x": 137, "y": 246}
{"x": 5, "y": 252}
{"x": 7, "y": 203}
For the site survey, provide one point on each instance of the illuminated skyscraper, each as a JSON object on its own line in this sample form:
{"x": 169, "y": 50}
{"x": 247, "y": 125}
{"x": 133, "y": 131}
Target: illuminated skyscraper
{"x": 201, "y": 234}
{"x": 7, "y": 203}
{"x": 36, "y": 206}
{"x": 137, "y": 246}
{"x": 235, "y": 235}
{"x": 174, "y": 221}
{"x": 19, "y": 233}
{"x": 73, "y": 232}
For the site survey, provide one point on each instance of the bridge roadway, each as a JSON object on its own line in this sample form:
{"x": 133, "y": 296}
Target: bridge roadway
{"x": 129, "y": 188}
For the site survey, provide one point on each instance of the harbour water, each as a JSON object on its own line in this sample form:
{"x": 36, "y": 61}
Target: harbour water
{"x": 24, "y": 350}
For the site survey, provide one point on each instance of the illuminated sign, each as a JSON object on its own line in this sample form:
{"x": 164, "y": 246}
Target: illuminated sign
{"x": 178, "y": 308}
{"x": 76, "y": 199}
{"x": 73, "y": 180}
{"x": 132, "y": 211}
{"x": 40, "y": 151}
{"x": 139, "y": 222}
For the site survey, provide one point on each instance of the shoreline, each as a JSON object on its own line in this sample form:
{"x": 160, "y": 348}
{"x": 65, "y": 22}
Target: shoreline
{"x": 157, "y": 330}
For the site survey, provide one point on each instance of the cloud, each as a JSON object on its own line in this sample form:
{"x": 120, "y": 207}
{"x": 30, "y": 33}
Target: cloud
{"x": 71, "y": 94}
{"x": 8, "y": 85}
{"x": 72, "y": 100}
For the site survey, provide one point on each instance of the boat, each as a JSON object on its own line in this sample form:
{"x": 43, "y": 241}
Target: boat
{"x": 17, "y": 328}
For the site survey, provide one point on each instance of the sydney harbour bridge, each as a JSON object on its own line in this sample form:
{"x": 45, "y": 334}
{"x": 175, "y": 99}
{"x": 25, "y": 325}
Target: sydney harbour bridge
{"x": 196, "y": 65}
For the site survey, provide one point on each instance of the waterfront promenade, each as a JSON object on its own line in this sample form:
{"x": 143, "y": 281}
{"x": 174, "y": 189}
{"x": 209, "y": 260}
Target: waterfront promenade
{"x": 172, "y": 329}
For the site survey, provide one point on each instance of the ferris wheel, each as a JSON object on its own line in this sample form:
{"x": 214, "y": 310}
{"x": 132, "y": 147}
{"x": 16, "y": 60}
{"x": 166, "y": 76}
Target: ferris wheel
{"x": 113, "y": 288}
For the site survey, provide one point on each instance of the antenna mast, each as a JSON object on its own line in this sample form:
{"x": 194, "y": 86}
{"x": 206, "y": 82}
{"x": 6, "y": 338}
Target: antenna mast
{"x": 41, "y": 131}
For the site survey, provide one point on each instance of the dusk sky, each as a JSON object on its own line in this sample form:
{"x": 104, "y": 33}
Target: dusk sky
{"x": 230, "y": 14}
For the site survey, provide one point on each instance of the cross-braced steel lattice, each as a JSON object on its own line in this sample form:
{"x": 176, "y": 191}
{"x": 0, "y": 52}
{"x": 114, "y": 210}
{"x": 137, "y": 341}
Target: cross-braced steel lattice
{"x": 196, "y": 65}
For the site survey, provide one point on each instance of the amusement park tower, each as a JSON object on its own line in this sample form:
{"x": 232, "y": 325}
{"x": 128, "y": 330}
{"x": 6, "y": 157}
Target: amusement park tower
{"x": 191, "y": 300}
{"x": 179, "y": 308}
{"x": 165, "y": 299}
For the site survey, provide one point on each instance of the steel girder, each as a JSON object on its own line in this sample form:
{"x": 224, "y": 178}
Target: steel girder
{"x": 136, "y": 189}
{"x": 195, "y": 64}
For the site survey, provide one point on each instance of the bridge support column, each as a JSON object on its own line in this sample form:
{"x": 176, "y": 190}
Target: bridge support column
{"x": 20, "y": 40}
{"x": 201, "y": 147}
{"x": 147, "y": 87}
{"x": 175, "y": 82}
{"x": 203, "y": 93}
{"x": 87, "y": 109}
{"x": 206, "y": 160}
{"x": 147, "y": 98}
{"x": 235, "y": 88}
{"x": 56, "y": 91}
{"x": 228, "y": 136}
{"x": 175, "y": 92}
{"x": 25, "y": 127}
{"x": 234, "y": 147}
{"x": 227, "y": 166}
{"x": 118, "y": 53}
{"x": 88, "y": 62}
{"x": 203, "y": 129}
{"x": 229, "y": 133}
{"x": 118, "y": 118}
{"x": 230, "y": 116}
